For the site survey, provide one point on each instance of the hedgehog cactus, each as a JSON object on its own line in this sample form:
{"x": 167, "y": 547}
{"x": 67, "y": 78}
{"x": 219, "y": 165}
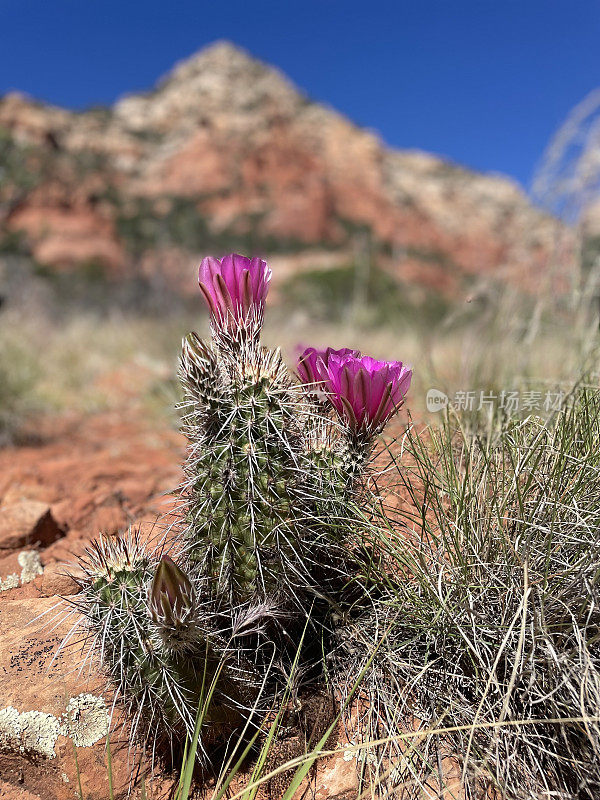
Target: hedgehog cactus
{"x": 249, "y": 488}
{"x": 243, "y": 472}
{"x": 267, "y": 525}
{"x": 270, "y": 471}
{"x": 149, "y": 634}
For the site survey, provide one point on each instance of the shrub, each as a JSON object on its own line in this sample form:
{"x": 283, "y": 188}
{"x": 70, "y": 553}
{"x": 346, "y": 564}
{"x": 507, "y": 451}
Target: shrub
{"x": 331, "y": 294}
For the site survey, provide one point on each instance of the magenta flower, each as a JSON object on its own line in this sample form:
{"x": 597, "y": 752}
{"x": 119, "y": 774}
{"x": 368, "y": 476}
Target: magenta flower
{"x": 364, "y": 391}
{"x": 312, "y": 363}
{"x": 235, "y": 288}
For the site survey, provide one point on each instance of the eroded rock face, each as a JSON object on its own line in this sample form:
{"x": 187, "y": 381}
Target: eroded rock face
{"x": 27, "y": 522}
{"x": 227, "y": 143}
{"x": 51, "y": 707}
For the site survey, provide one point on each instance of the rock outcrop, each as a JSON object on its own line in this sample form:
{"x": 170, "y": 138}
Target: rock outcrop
{"x": 226, "y": 153}
{"x": 54, "y": 716}
{"x": 54, "y": 710}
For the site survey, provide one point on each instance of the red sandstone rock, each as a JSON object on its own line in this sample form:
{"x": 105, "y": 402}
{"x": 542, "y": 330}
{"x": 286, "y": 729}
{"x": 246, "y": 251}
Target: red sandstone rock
{"x": 69, "y": 236}
{"x": 11, "y": 792}
{"x": 56, "y": 580}
{"x": 78, "y": 472}
{"x": 25, "y": 491}
{"x": 244, "y": 149}
{"x": 48, "y": 707}
{"x": 27, "y": 522}
{"x": 90, "y": 478}
{"x": 336, "y": 779}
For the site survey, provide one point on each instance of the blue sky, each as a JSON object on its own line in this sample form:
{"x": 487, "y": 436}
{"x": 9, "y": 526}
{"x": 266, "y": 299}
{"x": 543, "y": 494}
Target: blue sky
{"x": 484, "y": 82}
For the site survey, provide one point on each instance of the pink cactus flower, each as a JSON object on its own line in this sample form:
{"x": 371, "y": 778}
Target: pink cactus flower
{"x": 312, "y": 363}
{"x": 364, "y": 391}
{"x": 235, "y": 288}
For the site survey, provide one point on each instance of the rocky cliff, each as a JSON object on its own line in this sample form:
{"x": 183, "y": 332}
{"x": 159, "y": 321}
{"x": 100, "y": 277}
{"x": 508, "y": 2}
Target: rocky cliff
{"x": 225, "y": 153}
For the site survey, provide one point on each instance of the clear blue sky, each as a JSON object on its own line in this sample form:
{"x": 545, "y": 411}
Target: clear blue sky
{"x": 484, "y": 82}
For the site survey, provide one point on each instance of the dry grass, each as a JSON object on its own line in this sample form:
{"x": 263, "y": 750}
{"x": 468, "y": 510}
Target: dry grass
{"x": 88, "y": 362}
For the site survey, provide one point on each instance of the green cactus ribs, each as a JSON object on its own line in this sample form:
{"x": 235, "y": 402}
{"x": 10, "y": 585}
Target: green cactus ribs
{"x": 244, "y": 472}
{"x": 147, "y": 630}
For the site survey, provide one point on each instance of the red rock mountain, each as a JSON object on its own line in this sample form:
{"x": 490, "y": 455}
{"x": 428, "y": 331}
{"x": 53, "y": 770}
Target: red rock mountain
{"x": 226, "y": 153}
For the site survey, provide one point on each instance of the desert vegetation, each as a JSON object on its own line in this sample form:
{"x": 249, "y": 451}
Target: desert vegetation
{"x": 348, "y": 575}
{"x": 420, "y": 602}
{"x": 272, "y": 565}
{"x": 430, "y": 591}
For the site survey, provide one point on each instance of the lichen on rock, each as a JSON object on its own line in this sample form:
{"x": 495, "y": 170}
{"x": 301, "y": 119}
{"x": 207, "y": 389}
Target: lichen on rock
{"x": 10, "y": 582}
{"x": 29, "y": 732}
{"x": 86, "y": 720}
{"x": 10, "y": 729}
{"x": 31, "y": 565}
{"x": 39, "y": 732}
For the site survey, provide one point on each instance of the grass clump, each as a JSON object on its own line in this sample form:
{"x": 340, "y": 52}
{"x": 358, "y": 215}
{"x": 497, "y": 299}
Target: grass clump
{"x": 495, "y": 645}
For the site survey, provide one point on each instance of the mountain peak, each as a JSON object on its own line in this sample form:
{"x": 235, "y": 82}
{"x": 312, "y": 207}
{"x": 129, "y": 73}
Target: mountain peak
{"x": 219, "y": 78}
{"x": 226, "y": 149}
{"x": 221, "y": 54}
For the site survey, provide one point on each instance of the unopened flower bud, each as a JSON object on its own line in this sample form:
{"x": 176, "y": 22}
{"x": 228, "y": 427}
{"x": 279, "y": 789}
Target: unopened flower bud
{"x": 171, "y": 594}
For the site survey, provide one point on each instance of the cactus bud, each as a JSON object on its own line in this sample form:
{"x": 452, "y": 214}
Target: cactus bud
{"x": 171, "y": 594}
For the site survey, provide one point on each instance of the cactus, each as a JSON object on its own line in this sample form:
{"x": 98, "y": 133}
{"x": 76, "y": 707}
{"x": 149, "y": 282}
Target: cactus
{"x": 244, "y": 481}
{"x": 150, "y": 636}
{"x": 267, "y": 526}
{"x": 274, "y": 466}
